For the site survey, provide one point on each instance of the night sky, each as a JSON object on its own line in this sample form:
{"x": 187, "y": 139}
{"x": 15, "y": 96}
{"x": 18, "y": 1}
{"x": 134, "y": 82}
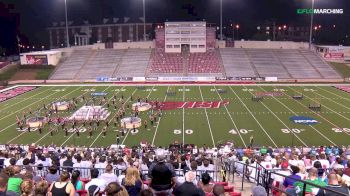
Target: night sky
{"x": 29, "y": 18}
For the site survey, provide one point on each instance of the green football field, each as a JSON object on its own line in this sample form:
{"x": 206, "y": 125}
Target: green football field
{"x": 268, "y": 121}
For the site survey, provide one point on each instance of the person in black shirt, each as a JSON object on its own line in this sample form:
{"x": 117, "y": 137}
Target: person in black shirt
{"x": 162, "y": 176}
{"x": 68, "y": 163}
{"x": 188, "y": 188}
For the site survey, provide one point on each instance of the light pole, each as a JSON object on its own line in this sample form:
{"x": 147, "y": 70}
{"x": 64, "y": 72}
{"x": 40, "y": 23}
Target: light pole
{"x": 65, "y": 8}
{"x": 220, "y": 19}
{"x": 311, "y": 23}
{"x": 144, "y": 20}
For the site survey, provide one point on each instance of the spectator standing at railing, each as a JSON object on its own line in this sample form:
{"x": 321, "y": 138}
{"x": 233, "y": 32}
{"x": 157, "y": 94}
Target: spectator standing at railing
{"x": 15, "y": 180}
{"x": 312, "y": 178}
{"x": 288, "y": 182}
{"x": 101, "y": 165}
{"x": 333, "y": 185}
{"x": 188, "y": 188}
{"x": 68, "y": 163}
{"x": 52, "y": 176}
{"x": 132, "y": 181}
{"x": 162, "y": 176}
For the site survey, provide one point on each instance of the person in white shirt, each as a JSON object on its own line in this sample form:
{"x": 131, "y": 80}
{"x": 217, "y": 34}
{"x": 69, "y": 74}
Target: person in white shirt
{"x": 101, "y": 165}
{"x": 96, "y": 181}
{"x": 109, "y": 176}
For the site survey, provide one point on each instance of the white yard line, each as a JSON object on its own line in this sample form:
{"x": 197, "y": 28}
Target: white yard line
{"x": 109, "y": 120}
{"x": 341, "y": 97}
{"x": 129, "y": 130}
{"x": 325, "y": 137}
{"x": 324, "y": 117}
{"x": 72, "y": 134}
{"x": 81, "y": 126}
{"x": 24, "y": 99}
{"x": 333, "y": 101}
{"x": 250, "y": 112}
{"x": 155, "y": 133}
{"x": 280, "y": 120}
{"x": 16, "y": 137}
{"x": 233, "y": 122}
{"x": 183, "y": 116}
{"x": 206, "y": 114}
{"x": 141, "y": 121}
{"x": 63, "y": 96}
{"x": 28, "y": 105}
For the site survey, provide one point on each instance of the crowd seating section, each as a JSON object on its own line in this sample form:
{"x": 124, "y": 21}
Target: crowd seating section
{"x": 162, "y": 62}
{"x": 207, "y": 62}
{"x": 281, "y": 63}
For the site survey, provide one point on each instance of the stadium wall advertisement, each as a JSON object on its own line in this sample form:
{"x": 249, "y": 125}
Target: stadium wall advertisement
{"x": 36, "y": 59}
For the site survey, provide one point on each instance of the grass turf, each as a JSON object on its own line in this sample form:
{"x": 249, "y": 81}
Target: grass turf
{"x": 268, "y": 121}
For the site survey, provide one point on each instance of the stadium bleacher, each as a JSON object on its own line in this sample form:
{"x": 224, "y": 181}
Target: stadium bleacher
{"x": 134, "y": 63}
{"x": 162, "y": 62}
{"x": 281, "y": 63}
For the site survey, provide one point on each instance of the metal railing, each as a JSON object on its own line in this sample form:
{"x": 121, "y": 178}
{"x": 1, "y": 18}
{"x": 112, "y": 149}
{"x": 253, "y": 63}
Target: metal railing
{"x": 264, "y": 178}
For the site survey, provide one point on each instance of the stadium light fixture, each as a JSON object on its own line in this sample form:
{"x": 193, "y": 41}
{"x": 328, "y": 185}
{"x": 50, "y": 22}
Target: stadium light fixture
{"x": 144, "y": 19}
{"x": 311, "y": 23}
{"x": 221, "y": 38}
{"x": 65, "y": 9}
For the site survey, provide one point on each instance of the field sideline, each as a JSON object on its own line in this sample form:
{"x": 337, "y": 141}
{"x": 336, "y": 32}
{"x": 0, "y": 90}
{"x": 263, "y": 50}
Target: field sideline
{"x": 268, "y": 121}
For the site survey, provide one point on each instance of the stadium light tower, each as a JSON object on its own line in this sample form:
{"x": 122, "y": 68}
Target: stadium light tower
{"x": 65, "y": 9}
{"x": 311, "y": 23}
{"x": 220, "y": 19}
{"x": 144, "y": 20}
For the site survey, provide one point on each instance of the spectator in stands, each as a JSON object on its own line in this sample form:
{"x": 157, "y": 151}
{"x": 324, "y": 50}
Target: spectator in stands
{"x": 95, "y": 181}
{"x": 101, "y": 165}
{"x": 337, "y": 164}
{"x": 347, "y": 169}
{"x": 188, "y": 188}
{"x": 27, "y": 188}
{"x": 132, "y": 181}
{"x": 52, "y": 176}
{"x": 41, "y": 188}
{"x": 162, "y": 176}
{"x": 75, "y": 180}
{"x": 320, "y": 171}
{"x": 114, "y": 189}
{"x": 3, "y": 184}
{"x": 312, "y": 178}
{"x": 15, "y": 180}
{"x": 289, "y": 181}
{"x": 109, "y": 176}
{"x": 218, "y": 190}
{"x": 259, "y": 191}
{"x": 146, "y": 192}
{"x": 333, "y": 185}
{"x": 62, "y": 187}
{"x": 68, "y": 163}
{"x": 85, "y": 163}
{"x": 204, "y": 184}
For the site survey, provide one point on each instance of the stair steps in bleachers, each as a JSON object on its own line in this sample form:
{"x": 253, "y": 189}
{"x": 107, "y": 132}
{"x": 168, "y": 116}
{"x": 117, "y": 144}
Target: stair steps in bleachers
{"x": 311, "y": 64}
{"x": 86, "y": 62}
{"x": 118, "y": 63}
{"x": 281, "y": 63}
{"x": 251, "y": 63}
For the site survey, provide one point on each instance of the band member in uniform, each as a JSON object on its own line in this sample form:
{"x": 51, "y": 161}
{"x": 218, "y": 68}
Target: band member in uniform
{"x": 138, "y": 99}
{"x": 40, "y": 130}
{"x": 65, "y": 132}
{"x": 77, "y": 132}
{"x": 251, "y": 140}
{"x": 107, "y": 105}
{"x": 145, "y": 123}
{"x": 134, "y": 128}
{"x": 146, "y": 100}
{"x": 118, "y": 140}
{"x": 123, "y": 131}
{"x": 90, "y": 132}
{"x": 28, "y": 128}
{"x": 51, "y": 132}
{"x": 107, "y": 123}
{"x": 151, "y": 117}
{"x": 98, "y": 123}
{"x": 104, "y": 131}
